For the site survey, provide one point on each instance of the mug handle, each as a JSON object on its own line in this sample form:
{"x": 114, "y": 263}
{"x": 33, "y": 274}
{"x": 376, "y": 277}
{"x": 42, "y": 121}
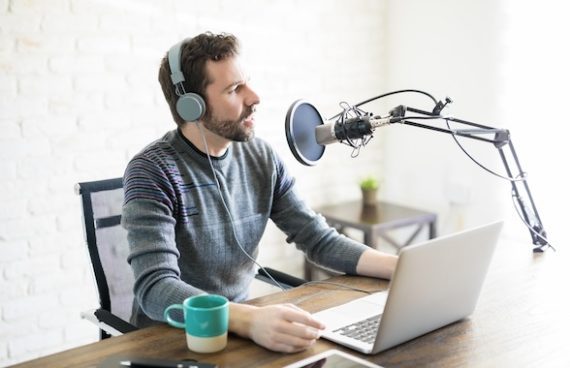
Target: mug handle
{"x": 170, "y": 320}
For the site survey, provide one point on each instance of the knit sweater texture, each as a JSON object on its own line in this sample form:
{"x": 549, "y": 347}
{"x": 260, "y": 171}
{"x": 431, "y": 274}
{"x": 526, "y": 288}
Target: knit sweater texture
{"x": 180, "y": 235}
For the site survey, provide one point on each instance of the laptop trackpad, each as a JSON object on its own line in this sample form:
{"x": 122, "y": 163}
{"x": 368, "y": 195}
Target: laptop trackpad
{"x": 353, "y": 311}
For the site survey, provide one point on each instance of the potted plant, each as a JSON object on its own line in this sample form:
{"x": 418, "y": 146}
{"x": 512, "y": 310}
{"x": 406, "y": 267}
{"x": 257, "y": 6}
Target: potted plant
{"x": 369, "y": 186}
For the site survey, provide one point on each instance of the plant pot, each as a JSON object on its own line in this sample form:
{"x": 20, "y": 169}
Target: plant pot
{"x": 369, "y": 197}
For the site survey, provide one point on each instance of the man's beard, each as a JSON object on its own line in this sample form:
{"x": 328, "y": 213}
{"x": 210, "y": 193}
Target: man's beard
{"x": 233, "y": 130}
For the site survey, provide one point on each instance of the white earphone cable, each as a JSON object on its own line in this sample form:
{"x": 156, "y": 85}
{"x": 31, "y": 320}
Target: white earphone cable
{"x": 228, "y": 210}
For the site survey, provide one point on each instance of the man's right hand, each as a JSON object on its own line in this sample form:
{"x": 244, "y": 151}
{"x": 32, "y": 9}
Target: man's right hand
{"x": 281, "y": 327}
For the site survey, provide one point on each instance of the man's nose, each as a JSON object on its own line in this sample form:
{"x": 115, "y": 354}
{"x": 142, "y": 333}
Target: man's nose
{"x": 252, "y": 97}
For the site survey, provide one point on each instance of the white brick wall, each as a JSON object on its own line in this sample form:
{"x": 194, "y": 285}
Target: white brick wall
{"x": 79, "y": 96}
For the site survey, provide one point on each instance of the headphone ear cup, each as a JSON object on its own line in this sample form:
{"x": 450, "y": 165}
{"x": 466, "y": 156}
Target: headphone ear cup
{"x": 191, "y": 107}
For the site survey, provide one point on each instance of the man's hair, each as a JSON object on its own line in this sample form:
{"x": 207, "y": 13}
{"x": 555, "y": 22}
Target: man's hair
{"x": 194, "y": 54}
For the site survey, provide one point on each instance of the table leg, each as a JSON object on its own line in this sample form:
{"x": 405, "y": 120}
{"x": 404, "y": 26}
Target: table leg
{"x": 308, "y": 270}
{"x": 432, "y": 229}
{"x": 370, "y": 239}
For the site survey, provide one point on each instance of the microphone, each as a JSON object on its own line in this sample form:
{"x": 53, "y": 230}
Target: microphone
{"x": 307, "y": 133}
{"x": 353, "y": 128}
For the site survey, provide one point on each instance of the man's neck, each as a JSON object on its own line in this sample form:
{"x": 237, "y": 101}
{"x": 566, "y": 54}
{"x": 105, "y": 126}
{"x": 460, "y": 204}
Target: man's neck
{"x": 217, "y": 145}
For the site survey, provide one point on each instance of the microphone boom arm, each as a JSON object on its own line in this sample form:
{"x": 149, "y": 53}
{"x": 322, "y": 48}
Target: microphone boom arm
{"x": 501, "y": 139}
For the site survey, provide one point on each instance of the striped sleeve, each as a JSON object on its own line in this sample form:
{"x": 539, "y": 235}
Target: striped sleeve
{"x": 144, "y": 179}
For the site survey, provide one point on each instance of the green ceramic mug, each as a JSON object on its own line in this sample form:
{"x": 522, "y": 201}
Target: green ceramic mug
{"x": 206, "y": 319}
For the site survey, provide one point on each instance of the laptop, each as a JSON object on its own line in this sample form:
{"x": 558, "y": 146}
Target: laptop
{"x": 435, "y": 283}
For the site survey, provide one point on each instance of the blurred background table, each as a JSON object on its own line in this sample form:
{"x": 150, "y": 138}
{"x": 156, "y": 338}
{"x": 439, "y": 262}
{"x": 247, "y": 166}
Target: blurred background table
{"x": 376, "y": 221}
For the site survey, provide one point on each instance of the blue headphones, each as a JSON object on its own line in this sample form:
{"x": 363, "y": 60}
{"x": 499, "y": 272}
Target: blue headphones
{"x": 190, "y": 106}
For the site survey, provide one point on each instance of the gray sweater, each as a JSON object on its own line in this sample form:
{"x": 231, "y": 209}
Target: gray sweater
{"x": 180, "y": 236}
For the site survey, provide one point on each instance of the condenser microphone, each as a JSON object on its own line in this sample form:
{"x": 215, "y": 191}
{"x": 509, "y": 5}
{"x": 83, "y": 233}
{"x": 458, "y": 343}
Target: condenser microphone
{"x": 353, "y": 128}
{"x": 307, "y": 132}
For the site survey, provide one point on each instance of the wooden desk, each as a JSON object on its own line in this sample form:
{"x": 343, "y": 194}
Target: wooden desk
{"x": 522, "y": 320}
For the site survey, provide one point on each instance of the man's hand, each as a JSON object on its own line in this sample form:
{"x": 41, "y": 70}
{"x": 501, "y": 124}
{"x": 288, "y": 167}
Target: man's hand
{"x": 281, "y": 327}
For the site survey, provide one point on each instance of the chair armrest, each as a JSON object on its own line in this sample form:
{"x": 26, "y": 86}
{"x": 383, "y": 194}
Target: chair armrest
{"x": 108, "y": 322}
{"x": 285, "y": 280}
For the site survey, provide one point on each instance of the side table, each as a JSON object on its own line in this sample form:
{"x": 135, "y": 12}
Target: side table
{"x": 376, "y": 222}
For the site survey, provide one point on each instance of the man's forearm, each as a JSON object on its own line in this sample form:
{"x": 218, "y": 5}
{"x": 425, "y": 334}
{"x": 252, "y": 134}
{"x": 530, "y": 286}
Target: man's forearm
{"x": 376, "y": 264}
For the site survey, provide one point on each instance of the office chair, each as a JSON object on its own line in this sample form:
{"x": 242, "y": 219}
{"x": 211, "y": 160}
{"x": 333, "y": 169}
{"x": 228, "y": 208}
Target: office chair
{"x": 108, "y": 250}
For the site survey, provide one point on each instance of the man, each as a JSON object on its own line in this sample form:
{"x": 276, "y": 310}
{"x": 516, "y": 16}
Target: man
{"x": 189, "y": 230}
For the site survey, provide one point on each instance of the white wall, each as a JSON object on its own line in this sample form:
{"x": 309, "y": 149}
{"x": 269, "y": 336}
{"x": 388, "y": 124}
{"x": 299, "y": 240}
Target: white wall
{"x": 505, "y": 64}
{"x": 536, "y": 79}
{"x": 79, "y": 97}
{"x": 447, "y": 48}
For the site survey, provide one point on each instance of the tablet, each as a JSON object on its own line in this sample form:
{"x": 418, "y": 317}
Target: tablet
{"x": 333, "y": 359}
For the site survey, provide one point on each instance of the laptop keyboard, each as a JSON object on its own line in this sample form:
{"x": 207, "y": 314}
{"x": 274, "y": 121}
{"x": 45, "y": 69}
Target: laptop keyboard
{"x": 364, "y": 330}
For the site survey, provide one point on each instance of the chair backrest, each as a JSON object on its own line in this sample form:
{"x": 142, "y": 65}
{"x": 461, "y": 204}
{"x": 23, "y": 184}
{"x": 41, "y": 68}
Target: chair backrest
{"x": 107, "y": 243}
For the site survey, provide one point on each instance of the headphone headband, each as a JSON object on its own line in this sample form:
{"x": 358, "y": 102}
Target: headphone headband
{"x": 189, "y": 106}
{"x": 174, "y": 61}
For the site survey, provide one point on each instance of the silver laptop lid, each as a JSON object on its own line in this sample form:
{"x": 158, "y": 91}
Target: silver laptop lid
{"x": 436, "y": 283}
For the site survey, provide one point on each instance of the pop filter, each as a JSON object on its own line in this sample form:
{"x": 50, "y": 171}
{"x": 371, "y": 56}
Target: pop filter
{"x": 300, "y": 124}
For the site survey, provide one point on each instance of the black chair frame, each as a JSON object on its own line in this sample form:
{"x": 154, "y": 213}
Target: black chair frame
{"x": 103, "y": 313}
